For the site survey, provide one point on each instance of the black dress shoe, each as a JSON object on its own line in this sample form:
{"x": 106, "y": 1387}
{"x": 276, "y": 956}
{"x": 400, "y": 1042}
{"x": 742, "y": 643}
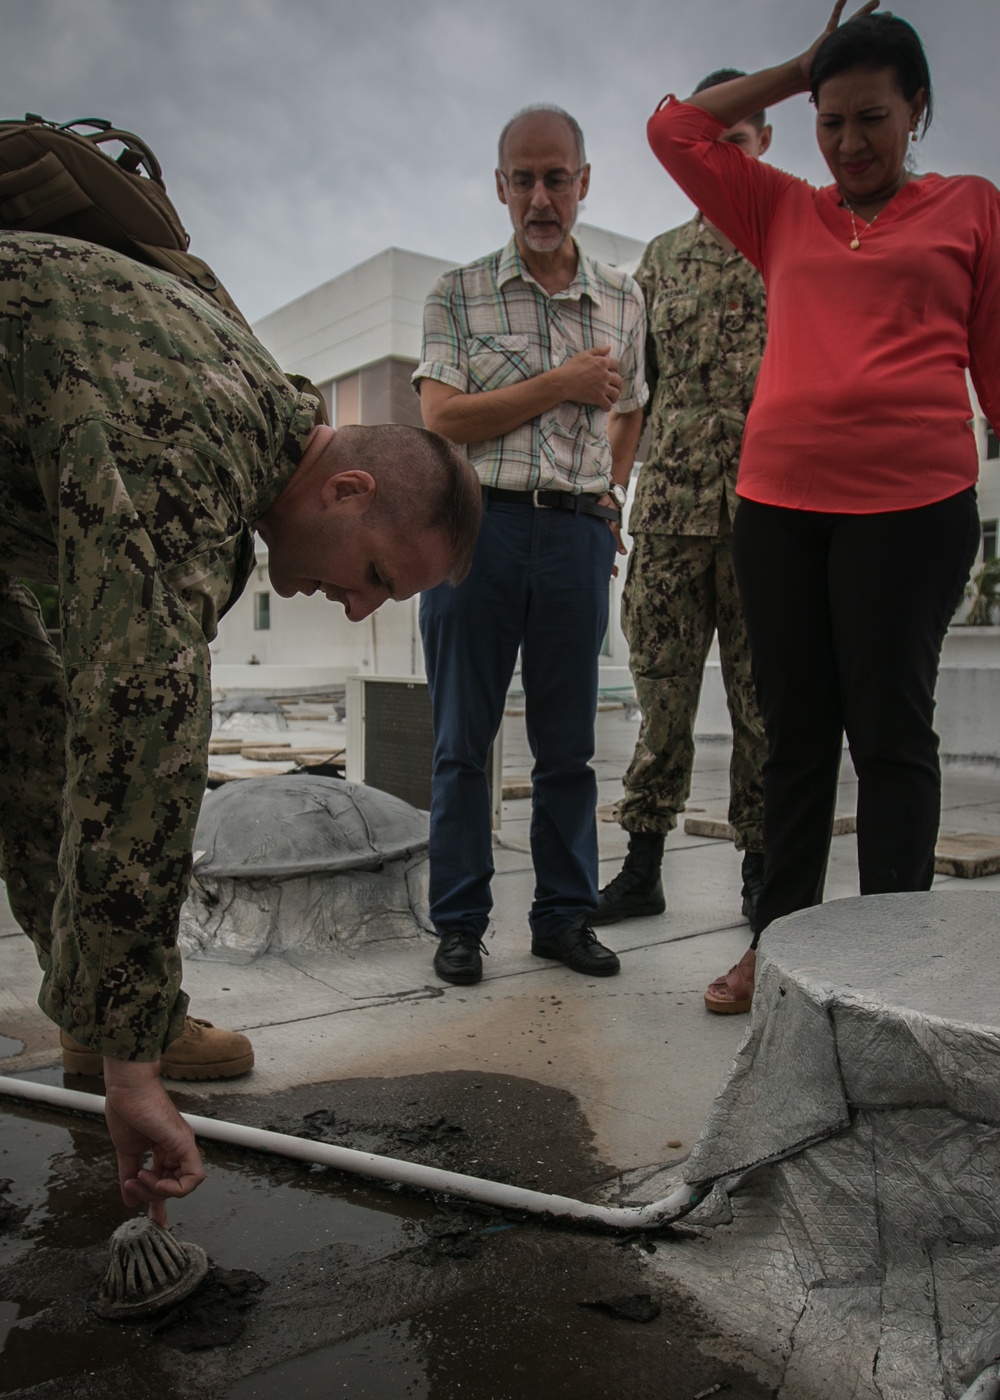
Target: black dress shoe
{"x": 458, "y": 958}
{"x": 578, "y": 948}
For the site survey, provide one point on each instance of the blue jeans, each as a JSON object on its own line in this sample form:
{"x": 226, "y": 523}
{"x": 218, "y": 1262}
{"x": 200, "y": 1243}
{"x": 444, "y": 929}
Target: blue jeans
{"x": 539, "y": 582}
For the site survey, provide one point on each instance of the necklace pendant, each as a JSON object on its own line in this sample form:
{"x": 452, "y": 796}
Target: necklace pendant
{"x": 855, "y": 243}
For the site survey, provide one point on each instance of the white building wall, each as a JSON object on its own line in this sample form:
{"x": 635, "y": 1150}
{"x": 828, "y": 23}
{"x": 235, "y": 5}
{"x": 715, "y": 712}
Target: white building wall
{"x": 372, "y": 312}
{"x": 311, "y": 633}
{"x": 375, "y": 311}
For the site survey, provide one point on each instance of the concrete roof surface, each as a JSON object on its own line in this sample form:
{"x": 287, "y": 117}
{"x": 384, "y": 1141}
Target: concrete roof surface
{"x": 639, "y": 1050}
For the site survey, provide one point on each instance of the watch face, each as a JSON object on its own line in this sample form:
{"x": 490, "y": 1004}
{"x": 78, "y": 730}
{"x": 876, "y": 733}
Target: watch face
{"x": 619, "y": 494}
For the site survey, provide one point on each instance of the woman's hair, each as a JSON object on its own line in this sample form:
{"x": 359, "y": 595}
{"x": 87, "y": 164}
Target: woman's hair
{"x": 874, "y": 42}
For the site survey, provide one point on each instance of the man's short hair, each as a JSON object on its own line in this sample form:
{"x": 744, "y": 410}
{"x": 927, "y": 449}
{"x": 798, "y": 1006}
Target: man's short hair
{"x": 424, "y": 483}
{"x": 552, "y": 110}
{"x": 726, "y": 75}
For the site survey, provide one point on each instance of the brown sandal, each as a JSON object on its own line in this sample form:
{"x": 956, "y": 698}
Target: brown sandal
{"x": 732, "y": 995}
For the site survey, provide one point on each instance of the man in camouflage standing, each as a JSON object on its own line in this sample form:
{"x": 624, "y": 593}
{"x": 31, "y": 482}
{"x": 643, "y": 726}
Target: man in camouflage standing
{"x": 143, "y": 436}
{"x": 705, "y": 305}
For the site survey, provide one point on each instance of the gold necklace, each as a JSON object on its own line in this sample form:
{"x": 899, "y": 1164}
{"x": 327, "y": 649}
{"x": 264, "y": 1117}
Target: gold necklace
{"x": 868, "y": 223}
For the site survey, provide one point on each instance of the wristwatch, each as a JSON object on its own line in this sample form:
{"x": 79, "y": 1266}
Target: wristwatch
{"x": 618, "y": 494}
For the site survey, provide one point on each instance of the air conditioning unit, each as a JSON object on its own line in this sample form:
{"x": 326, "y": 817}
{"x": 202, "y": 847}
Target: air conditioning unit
{"x": 390, "y": 740}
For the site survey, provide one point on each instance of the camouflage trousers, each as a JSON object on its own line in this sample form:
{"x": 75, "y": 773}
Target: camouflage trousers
{"x": 44, "y": 873}
{"x": 679, "y": 591}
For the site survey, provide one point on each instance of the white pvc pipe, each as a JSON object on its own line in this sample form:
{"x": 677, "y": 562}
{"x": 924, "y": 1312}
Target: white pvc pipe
{"x": 346, "y": 1159}
{"x": 987, "y": 1387}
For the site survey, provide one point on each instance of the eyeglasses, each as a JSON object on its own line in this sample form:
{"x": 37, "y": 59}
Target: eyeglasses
{"x": 555, "y": 181}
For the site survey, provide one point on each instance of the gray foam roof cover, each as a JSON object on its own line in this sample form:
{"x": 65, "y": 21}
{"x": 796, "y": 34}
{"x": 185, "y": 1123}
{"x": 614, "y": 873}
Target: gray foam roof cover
{"x": 283, "y": 826}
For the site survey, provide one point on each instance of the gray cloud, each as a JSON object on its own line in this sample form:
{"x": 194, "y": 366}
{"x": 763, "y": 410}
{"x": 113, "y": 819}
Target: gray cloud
{"x": 301, "y": 138}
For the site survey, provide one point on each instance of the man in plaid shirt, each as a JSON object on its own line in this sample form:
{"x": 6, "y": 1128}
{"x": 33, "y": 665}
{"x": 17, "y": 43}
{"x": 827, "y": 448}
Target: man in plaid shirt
{"x": 526, "y": 353}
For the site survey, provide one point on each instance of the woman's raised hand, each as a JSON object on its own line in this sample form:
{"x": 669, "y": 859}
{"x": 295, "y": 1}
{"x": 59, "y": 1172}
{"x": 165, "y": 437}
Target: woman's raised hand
{"x": 806, "y": 59}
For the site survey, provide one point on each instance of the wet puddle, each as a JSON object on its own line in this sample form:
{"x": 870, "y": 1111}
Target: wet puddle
{"x": 387, "y": 1362}
{"x": 325, "y": 1286}
{"x": 60, "y": 1202}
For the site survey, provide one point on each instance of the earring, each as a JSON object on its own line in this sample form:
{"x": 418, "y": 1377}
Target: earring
{"x": 913, "y": 134}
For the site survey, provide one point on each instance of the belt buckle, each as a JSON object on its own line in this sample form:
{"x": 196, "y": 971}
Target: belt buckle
{"x": 536, "y": 503}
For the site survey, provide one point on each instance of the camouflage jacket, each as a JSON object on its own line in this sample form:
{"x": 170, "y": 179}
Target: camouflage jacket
{"x": 703, "y": 351}
{"x": 142, "y": 433}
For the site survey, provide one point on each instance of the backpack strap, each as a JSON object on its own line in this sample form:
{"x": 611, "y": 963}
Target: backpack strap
{"x": 134, "y": 155}
{"x": 58, "y": 179}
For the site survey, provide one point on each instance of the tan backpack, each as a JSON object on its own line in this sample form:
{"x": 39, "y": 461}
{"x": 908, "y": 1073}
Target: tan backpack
{"x": 57, "y": 179}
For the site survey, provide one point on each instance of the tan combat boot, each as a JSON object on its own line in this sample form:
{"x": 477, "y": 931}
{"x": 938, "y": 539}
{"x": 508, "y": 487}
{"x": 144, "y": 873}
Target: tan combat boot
{"x": 202, "y": 1051}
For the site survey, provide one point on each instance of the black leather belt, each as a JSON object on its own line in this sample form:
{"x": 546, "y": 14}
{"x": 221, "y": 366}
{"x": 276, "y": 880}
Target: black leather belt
{"x": 552, "y": 500}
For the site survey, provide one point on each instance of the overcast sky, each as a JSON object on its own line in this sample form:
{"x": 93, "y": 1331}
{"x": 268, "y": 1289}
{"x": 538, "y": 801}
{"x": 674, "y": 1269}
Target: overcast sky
{"x": 299, "y": 137}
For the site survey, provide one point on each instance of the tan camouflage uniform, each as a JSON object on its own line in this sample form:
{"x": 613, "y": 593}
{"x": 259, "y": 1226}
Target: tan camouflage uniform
{"x": 141, "y": 434}
{"x": 706, "y": 337}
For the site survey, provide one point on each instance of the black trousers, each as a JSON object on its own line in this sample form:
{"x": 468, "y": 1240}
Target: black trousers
{"x": 846, "y": 616}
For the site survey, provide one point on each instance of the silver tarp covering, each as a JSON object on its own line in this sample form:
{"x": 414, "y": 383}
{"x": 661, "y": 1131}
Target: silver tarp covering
{"x": 851, "y": 1233}
{"x": 305, "y": 864}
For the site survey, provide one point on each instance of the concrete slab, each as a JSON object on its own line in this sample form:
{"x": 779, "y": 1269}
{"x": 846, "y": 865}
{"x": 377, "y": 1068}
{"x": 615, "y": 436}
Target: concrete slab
{"x": 297, "y": 753}
{"x": 717, "y": 826}
{"x": 967, "y": 854}
{"x": 642, "y": 1057}
{"x": 221, "y": 746}
{"x": 234, "y": 773}
{"x": 516, "y": 787}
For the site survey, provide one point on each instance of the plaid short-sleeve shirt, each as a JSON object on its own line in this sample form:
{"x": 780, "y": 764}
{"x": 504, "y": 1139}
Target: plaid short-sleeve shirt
{"x": 490, "y": 324}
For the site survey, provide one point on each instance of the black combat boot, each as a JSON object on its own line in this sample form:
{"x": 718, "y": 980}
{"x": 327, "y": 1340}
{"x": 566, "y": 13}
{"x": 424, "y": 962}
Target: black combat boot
{"x": 753, "y": 883}
{"x": 637, "y": 889}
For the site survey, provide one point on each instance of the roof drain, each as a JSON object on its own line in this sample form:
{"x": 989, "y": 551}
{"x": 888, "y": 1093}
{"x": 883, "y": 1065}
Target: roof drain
{"x": 346, "y": 1159}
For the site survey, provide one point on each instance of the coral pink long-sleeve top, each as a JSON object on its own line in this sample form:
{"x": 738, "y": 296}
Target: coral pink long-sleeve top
{"x": 862, "y": 402}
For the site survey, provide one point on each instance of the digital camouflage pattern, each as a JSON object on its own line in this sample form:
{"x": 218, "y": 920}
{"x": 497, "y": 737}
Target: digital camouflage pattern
{"x": 142, "y": 433}
{"x": 704, "y": 344}
{"x": 705, "y": 341}
{"x": 678, "y": 590}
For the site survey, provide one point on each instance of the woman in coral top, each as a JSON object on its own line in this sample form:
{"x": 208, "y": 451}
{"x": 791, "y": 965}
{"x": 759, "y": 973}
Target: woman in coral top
{"x": 857, "y": 523}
